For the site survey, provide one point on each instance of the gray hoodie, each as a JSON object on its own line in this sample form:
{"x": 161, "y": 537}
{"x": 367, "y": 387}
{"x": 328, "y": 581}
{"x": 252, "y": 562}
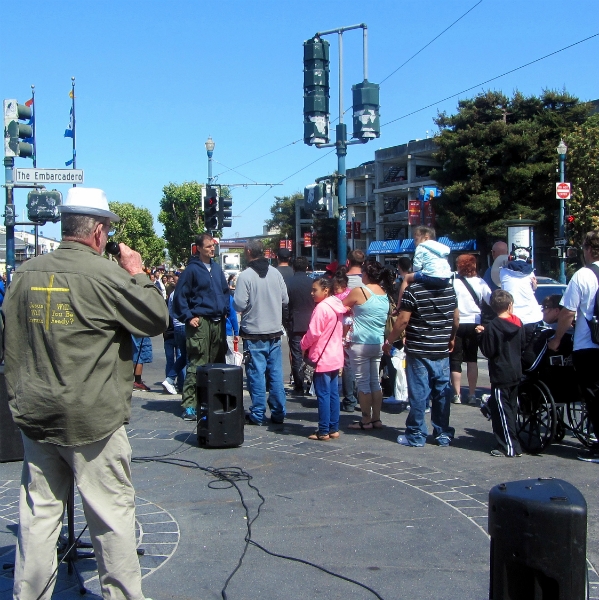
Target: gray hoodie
{"x": 260, "y": 294}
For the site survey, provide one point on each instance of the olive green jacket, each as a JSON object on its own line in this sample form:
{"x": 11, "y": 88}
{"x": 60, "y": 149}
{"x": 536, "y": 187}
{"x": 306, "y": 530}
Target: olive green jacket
{"x": 69, "y": 316}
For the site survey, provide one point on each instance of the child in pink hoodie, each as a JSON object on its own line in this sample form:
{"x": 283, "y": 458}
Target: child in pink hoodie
{"x": 323, "y": 344}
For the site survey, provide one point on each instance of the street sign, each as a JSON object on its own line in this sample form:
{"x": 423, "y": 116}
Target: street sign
{"x": 562, "y": 191}
{"x": 55, "y": 176}
{"x": 559, "y": 241}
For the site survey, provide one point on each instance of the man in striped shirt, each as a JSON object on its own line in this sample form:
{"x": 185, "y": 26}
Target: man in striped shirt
{"x": 430, "y": 319}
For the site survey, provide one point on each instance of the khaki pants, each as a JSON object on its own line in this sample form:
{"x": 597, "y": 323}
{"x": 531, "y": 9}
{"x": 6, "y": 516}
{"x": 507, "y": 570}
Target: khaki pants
{"x": 103, "y": 477}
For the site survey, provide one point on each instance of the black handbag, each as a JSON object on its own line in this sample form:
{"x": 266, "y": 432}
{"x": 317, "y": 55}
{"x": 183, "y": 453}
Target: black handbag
{"x": 487, "y": 314}
{"x": 309, "y": 366}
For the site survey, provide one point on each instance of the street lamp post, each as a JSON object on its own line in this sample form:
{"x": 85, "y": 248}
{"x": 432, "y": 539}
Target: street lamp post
{"x": 209, "y": 151}
{"x": 561, "y": 150}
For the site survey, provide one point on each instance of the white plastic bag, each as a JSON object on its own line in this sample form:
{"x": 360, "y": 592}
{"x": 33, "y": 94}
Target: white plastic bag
{"x": 401, "y": 382}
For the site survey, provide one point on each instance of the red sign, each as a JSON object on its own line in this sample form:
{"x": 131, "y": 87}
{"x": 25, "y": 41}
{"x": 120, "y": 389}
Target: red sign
{"x": 562, "y": 191}
{"x": 414, "y": 217}
{"x": 307, "y": 240}
{"x": 268, "y": 253}
{"x": 429, "y": 214}
{"x": 282, "y": 244}
{"x": 357, "y": 230}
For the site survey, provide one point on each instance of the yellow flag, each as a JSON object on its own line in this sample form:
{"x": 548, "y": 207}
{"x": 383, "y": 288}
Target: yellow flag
{"x": 71, "y": 95}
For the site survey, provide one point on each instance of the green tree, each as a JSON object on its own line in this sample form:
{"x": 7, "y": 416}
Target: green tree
{"x": 182, "y": 217}
{"x": 582, "y": 170}
{"x": 498, "y": 156}
{"x": 136, "y": 229}
{"x": 283, "y": 219}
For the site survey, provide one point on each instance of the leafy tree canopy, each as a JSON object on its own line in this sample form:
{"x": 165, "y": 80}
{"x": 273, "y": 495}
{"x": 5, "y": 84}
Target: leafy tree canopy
{"x": 283, "y": 218}
{"x": 499, "y": 160}
{"x": 136, "y": 229}
{"x": 582, "y": 170}
{"x": 182, "y": 217}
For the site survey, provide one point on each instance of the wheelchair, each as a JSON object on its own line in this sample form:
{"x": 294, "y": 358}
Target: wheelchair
{"x": 550, "y": 402}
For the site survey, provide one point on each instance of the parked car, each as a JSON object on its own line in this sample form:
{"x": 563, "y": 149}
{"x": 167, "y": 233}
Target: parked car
{"x": 548, "y": 287}
{"x": 317, "y": 274}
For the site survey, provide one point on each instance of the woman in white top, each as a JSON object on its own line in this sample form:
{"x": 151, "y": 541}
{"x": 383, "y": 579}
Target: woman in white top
{"x": 470, "y": 291}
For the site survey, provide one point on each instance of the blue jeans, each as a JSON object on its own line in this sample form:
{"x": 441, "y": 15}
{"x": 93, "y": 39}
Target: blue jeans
{"x": 426, "y": 378}
{"x": 177, "y": 369}
{"x": 266, "y": 360}
{"x": 327, "y": 393}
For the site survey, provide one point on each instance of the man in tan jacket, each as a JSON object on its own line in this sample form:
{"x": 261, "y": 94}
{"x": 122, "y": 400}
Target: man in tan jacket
{"x": 69, "y": 318}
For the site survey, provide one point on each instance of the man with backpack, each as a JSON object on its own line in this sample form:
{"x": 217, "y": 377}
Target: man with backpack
{"x": 580, "y": 300}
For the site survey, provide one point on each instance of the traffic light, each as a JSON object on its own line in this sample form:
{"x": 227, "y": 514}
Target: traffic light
{"x": 225, "y": 212}
{"x": 42, "y": 206}
{"x": 569, "y": 223}
{"x": 18, "y": 137}
{"x": 367, "y": 125}
{"x": 211, "y": 209}
{"x": 556, "y": 231}
{"x": 316, "y": 91}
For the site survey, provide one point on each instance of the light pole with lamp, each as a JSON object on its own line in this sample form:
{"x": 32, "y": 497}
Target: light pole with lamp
{"x": 561, "y": 150}
{"x": 209, "y": 151}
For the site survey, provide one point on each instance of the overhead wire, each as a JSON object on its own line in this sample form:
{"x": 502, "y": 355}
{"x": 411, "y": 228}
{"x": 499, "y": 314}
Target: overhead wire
{"x": 348, "y": 109}
{"x": 429, "y": 43}
{"x": 532, "y": 62}
{"x": 283, "y": 180}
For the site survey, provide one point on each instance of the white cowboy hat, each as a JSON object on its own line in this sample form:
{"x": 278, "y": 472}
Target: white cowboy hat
{"x": 87, "y": 201}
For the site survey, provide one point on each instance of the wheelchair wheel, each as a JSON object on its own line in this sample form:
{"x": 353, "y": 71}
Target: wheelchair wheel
{"x": 560, "y": 427}
{"x": 580, "y": 423}
{"x": 536, "y": 421}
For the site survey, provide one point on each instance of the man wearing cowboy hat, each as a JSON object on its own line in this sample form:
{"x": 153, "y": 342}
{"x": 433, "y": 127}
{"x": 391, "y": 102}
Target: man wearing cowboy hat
{"x": 69, "y": 319}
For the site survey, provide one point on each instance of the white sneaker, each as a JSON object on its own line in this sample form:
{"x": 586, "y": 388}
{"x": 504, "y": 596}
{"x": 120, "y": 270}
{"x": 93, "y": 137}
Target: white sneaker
{"x": 456, "y": 399}
{"x": 391, "y": 400}
{"x": 169, "y": 387}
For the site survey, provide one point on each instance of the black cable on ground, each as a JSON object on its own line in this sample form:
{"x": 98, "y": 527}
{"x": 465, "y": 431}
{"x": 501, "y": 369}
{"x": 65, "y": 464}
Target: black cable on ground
{"x": 230, "y": 476}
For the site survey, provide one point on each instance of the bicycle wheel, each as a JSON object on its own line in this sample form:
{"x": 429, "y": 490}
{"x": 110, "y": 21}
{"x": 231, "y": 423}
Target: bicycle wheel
{"x": 536, "y": 420}
{"x": 580, "y": 423}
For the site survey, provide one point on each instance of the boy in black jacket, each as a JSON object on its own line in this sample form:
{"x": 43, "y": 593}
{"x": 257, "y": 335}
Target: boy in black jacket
{"x": 502, "y": 342}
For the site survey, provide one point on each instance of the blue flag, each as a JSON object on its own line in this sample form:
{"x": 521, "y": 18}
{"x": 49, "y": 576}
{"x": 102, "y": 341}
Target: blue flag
{"x": 69, "y": 130}
{"x": 68, "y": 163}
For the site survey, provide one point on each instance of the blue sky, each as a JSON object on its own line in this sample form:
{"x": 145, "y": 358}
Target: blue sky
{"x": 154, "y": 79}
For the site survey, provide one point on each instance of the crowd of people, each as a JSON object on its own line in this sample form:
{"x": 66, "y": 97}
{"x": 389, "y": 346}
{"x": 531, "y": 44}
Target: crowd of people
{"x": 75, "y": 324}
{"x": 343, "y": 326}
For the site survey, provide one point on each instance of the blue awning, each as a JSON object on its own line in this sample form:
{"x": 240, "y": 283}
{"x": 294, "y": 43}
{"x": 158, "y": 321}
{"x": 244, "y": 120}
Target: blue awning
{"x": 407, "y": 246}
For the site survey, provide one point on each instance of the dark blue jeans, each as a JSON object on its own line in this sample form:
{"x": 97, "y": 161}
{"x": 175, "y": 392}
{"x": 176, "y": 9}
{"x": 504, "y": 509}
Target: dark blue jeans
{"x": 426, "y": 378}
{"x": 326, "y": 386}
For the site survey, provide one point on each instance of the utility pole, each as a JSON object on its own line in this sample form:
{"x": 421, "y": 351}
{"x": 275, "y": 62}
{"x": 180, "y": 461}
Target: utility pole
{"x": 366, "y": 124}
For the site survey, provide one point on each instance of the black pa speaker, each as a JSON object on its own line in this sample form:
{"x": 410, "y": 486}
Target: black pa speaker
{"x": 538, "y": 531}
{"x": 219, "y": 392}
{"x": 11, "y": 443}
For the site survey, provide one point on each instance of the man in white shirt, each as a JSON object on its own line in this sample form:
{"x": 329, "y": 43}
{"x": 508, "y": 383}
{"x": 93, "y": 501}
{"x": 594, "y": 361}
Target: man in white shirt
{"x": 579, "y": 301}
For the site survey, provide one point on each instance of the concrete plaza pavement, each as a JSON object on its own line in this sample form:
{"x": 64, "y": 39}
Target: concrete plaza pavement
{"x": 408, "y": 522}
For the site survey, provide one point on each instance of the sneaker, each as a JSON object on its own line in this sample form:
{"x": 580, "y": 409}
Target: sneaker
{"x": 456, "y": 399}
{"x": 350, "y": 408}
{"x": 391, "y": 400}
{"x": 498, "y": 453}
{"x": 427, "y": 410}
{"x": 141, "y": 387}
{"x": 401, "y": 439}
{"x": 189, "y": 414}
{"x": 589, "y": 455}
{"x": 250, "y": 421}
{"x": 169, "y": 387}
{"x": 473, "y": 400}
